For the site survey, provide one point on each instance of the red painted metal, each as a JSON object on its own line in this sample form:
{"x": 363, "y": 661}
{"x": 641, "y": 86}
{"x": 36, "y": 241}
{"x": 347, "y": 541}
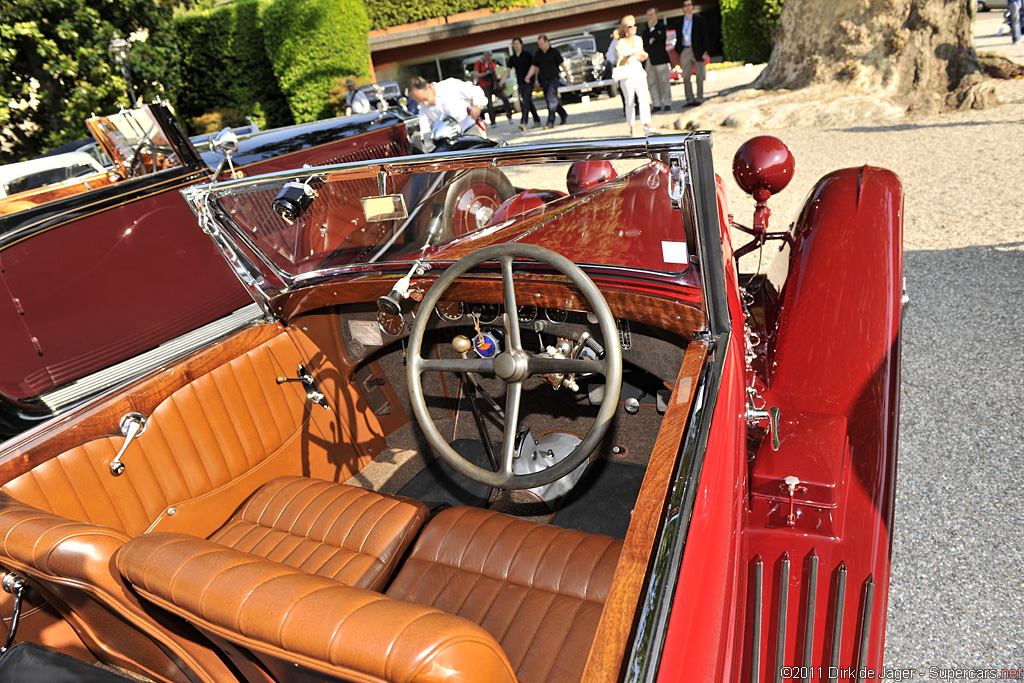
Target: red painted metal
{"x": 586, "y": 175}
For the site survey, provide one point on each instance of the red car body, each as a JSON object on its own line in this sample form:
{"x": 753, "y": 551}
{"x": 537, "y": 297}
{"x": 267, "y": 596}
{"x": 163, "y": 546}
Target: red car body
{"x": 759, "y": 543}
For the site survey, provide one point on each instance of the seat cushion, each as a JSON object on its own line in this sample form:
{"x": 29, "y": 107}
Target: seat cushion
{"x": 345, "y": 533}
{"x": 538, "y": 589}
{"x": 302, "y": 627}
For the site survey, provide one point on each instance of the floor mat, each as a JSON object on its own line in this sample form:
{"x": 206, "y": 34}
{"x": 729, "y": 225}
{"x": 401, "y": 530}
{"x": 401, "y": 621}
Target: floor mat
{"x": 603, "y": 500}
{"x": 31, "y": 663}
{"x": 439, "y": 483}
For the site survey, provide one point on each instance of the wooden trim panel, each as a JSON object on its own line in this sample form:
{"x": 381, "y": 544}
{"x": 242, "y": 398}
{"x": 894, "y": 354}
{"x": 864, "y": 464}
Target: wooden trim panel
{"x": 616, "y": 626}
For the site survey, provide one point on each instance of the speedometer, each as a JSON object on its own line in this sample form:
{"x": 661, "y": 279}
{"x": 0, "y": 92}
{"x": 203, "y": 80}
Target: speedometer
{"x": 527, "y": 314}
{"x": 556, "y": 315}
{"x": 450, "y": 311}
{"x": 487, "y": 313}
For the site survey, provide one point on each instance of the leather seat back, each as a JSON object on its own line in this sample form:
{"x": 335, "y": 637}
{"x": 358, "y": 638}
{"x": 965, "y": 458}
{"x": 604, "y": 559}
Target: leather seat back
{"x": 538, "y": 589}
{"x": 304, "y": 627}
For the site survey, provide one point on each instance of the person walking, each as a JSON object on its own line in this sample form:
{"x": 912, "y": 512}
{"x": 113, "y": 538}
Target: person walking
{"x": 486, "y": 73}
{"x": 629, "y": 72}
{"x": 692, "y": 45}
{"x": 521, "y": 60}
{"x": 356, "y": 100}
{"x": 1015, "y": 8}
{"x": 546, "y": 65}
{"x": 452, "y": 97}
{"x": 659, "y": 70}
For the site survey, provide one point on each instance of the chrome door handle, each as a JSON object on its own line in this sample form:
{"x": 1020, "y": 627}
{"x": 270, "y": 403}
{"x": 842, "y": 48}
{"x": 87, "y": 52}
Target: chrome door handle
{"x": 132, "y": 425}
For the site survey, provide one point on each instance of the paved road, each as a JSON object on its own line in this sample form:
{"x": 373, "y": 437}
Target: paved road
{"x": 957, "y": 585}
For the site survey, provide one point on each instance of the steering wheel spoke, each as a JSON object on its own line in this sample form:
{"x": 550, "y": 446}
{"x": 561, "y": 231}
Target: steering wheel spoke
{"x": 579, "y": 366}
{"x": 481, "y": 366}
{"x": 513, "y": 339}
{"x": 513, "y": 397}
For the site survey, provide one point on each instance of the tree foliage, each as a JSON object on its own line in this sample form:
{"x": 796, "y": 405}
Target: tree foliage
{"x": 57, "y": 71}
{"x": 387, "y": 13}
{"x": 747, "y": 27}
{"x": 311, "y": 43}
{"x": 224, "y": 66}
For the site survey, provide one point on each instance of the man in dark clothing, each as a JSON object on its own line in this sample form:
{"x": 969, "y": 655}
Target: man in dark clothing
{"x": 521, "y": 61}
{"x": 692, "y": 45}
{"x": 659, "y": 70}
{"x": 545, "y": 67}
{"x": 486, "y": 73}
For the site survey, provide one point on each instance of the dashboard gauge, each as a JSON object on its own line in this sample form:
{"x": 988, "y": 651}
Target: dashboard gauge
{"x": 488, "y": 313}
{"x": 556, "y": 315}
{"x": 390, "y": 324}
{"x": 451, "y": 311}
{"x": 527, "y": 314}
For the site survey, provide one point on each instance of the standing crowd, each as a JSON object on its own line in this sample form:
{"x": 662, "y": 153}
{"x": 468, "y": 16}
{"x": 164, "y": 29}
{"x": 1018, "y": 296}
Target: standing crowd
{"x": 640, "y": 64}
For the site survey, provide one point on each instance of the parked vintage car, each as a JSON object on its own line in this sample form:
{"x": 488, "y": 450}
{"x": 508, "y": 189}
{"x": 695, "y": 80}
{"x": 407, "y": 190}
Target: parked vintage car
{"x": 47, "y": 170}
{"x": 583, "y": 67}
{"x": 558, "y": 438}
{"x": 100, "y": 267}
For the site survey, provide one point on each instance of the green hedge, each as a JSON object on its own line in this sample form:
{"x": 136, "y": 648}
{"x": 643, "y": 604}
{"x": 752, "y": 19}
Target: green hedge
{"x": 225, "y": 66}
{"x": 387, "y": 13}
{"x": 311, "y": 44}
{"x": 747, "y": 27}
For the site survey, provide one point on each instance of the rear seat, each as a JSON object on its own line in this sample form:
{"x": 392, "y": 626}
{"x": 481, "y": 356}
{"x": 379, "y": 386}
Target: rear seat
{"x": 482, "y": 597}
{"x": 297, "y": 625}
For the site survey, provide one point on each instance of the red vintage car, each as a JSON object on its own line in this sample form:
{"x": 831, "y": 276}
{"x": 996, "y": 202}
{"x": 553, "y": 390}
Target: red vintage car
{"x": 558, "y": 437}
{"x": 98, "y": 268}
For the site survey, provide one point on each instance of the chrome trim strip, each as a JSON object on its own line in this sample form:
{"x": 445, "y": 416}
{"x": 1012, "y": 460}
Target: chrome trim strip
{"x": 865, "y": 628}
{"x": 61, "y": 398}
{"x": 812, "y": 598}
{"x": 656, "y": 604}
{"x": 780, "y": 640}
{"x": 708, "y": 233}
{"x": 755, "y": 637}
{"x": 837, "y": 624}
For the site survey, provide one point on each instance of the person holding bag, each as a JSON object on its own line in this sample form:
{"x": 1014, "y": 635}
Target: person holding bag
{"x": 629, "y": 72}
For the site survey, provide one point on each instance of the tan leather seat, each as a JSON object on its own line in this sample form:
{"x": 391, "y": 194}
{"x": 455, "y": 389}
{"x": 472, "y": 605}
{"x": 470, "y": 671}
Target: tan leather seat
{"x": 340, "y": 532}
{"x": 343, "y": 533}
{"x": 302, "y": 627}
{"x": 538, "y": 589}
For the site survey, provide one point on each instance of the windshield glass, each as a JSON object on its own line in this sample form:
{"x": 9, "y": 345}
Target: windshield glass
{"x": 135, "y": 142}
{"x": 614, "y": 212}
{"x": 584, "y": 44}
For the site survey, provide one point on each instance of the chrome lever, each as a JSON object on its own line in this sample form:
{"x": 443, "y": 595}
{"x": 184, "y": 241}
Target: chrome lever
{"x": 132, "y": 425}
{"x": 756, "y": 415}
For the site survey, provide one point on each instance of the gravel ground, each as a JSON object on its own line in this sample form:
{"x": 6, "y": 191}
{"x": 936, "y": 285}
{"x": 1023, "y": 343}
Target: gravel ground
{"x": 957, "y": 585}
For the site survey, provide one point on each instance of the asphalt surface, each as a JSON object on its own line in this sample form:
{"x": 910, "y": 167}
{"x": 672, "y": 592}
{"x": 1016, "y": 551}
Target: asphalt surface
{"x": 957, "y": 585}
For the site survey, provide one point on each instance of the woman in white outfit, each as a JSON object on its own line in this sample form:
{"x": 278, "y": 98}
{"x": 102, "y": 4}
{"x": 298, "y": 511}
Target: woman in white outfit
{"x": 630, "y": 55}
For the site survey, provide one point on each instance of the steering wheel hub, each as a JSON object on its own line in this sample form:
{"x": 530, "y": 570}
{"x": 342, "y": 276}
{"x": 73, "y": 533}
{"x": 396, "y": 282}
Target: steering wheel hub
{"x": 511, "y": 366}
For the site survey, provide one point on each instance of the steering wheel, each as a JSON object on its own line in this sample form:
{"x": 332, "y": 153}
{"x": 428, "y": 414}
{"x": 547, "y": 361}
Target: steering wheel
{"x": 515, "y": 365}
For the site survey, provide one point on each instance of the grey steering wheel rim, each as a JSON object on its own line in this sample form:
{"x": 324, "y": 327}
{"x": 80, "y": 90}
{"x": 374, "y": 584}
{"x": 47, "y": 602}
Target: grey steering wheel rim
{"x": 514, "y": 366}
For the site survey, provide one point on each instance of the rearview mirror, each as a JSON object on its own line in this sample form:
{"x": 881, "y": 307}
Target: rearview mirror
{"x": 225, "y": 141}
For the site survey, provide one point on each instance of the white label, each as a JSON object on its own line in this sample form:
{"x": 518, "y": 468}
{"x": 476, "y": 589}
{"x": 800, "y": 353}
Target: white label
{"x": 365, "y": 332}
{"x": 675, "y": 252}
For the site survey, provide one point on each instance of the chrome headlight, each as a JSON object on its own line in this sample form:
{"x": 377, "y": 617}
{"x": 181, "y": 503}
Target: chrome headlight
{"x": 445, "y": 128}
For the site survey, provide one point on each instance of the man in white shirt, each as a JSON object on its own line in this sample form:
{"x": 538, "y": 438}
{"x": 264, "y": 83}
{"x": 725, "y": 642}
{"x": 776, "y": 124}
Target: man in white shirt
{"x": 451, "y": 97}
{"x": 356, "y": 99}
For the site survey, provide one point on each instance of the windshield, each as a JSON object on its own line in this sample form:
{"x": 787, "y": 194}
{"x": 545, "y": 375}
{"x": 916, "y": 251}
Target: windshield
{"x": 135, "y": 142}
{"x": 605, "y": 210}
{"x": 584, "y": 44}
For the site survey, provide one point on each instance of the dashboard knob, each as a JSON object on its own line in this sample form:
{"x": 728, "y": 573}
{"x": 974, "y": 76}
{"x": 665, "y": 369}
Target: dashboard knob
{"x": 461, "y": 344}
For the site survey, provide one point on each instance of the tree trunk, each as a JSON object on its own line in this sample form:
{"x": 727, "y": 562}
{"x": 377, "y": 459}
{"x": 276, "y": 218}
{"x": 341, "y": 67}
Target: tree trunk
{"x": 919, "y": 53}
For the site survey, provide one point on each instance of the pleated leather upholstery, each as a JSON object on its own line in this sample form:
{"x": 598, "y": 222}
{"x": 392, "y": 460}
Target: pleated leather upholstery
{"x": 345, "y": 533}
{"x": 538, "y": 589}
{"x": 292, "y": 621}
{"x": 214, "y": 430}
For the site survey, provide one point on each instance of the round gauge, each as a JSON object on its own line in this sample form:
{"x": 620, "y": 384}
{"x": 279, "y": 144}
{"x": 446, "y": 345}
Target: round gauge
{"x": 556, "y": 315}
{"x": 450, "y": 311}
{"x": 527, "y": 314}
{"x": 390, "y": 324}
{"x": 487, "y": 313}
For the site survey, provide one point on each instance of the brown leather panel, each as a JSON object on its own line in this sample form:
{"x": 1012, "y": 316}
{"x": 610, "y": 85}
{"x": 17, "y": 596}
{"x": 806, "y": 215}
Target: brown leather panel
{"x": 345, "y": 533}
{"x": 71, "y": 564}
{"x": 199, "y": 439}
{"x": 538, "y": 589}
{"x": 283, "y": 614}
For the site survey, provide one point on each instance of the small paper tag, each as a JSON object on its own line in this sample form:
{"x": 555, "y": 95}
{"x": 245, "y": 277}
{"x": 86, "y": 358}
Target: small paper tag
{"x": 675, "y": 252}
